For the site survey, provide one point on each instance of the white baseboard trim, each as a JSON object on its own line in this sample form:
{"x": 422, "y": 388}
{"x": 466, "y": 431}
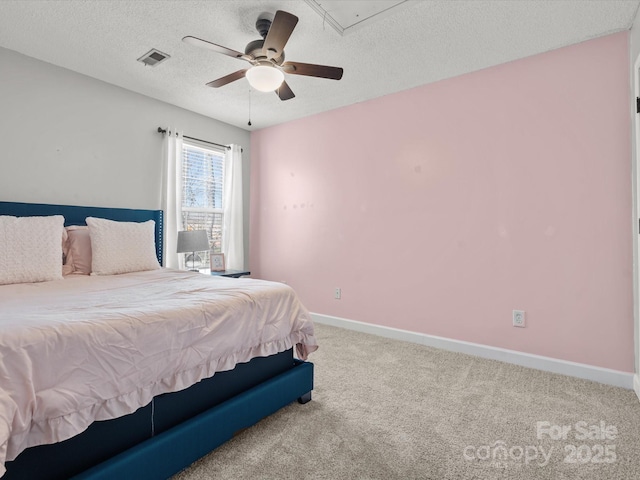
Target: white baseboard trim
{"x": 580, "y": 370}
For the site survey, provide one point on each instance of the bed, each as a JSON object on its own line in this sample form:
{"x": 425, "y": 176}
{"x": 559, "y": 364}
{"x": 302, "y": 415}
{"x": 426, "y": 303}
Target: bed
{"x": 136, "y": 418}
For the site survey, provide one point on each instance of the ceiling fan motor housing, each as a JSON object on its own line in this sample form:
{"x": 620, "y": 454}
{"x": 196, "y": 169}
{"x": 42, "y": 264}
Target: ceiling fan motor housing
{"x": 254, "y": 49}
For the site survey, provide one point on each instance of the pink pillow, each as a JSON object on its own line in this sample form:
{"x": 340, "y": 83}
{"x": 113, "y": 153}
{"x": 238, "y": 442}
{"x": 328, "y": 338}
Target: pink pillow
{"x": 78, "y": 253}
{"x": 65, "y": 237}
{"x": 65, "y": 248}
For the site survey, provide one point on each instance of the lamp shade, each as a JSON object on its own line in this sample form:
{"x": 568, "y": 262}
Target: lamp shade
{"x": 192, "y": 241}
{"x": 265, "y": 78}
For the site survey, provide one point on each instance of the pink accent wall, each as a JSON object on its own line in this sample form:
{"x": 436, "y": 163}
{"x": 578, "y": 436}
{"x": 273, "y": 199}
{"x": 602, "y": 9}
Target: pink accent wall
{"x": 442, "y": 208}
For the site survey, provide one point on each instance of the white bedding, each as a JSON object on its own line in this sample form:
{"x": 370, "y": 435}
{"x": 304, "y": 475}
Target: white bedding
{"x": 94, "y": 348}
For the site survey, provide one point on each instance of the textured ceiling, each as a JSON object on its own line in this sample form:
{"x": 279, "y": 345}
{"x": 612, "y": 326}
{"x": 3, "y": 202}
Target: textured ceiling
{"x": 420, "y": 42}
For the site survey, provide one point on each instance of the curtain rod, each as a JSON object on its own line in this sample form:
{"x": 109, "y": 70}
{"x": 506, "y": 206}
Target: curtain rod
{"x": 164, "y": 130}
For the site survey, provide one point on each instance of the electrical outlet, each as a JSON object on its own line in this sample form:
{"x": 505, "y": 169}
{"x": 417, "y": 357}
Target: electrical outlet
{"x": 518, "y": 318}
{"x": 337, "y": 294}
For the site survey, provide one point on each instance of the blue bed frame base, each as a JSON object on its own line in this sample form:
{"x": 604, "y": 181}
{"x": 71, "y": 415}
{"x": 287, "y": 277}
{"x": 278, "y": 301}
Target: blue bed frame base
{"x": 172, "y": 451}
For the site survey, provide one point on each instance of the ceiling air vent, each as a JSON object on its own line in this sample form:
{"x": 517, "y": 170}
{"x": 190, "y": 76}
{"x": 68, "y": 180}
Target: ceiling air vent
{"x": 153, "y": 57}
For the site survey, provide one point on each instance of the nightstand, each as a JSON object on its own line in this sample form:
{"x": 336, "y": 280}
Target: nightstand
{"x": 231, "y": 273}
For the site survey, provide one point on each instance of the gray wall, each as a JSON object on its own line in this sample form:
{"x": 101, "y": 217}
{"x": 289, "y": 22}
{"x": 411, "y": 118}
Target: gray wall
{"x": 71, "y": 139}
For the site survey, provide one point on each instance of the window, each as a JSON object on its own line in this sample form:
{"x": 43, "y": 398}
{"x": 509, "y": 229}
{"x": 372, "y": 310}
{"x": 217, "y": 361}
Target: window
{"x": 202, "y": 194}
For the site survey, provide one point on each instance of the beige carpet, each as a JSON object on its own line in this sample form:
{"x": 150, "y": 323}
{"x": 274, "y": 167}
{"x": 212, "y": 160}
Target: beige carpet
{"x": 385, "y": 409}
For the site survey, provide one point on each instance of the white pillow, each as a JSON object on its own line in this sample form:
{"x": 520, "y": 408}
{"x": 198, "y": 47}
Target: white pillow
{"x": 30, "y": 249}
{"x": 122, "y": 247}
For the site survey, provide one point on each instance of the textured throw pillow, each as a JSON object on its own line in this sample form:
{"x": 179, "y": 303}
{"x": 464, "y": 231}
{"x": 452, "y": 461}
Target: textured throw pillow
{"x": 30, "y": 249}
{"x": 121, "y": 247}
{"x": 78, "y": 251}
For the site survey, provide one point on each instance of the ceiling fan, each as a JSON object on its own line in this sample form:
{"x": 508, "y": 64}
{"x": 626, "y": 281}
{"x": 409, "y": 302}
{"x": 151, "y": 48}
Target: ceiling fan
{"x": 267, "y": 58}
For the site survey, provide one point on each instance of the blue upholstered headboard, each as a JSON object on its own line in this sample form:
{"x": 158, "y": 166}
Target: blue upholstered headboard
{"x": 76, "y": 215}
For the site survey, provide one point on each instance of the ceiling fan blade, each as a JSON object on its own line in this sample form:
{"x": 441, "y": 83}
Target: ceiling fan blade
{"x": 212, "y": 46}
{"x": 311, "y": 70}
{"x": 279, "y": 33}
{"x": 285, "y": 92}
{"x": 232, "y": 77}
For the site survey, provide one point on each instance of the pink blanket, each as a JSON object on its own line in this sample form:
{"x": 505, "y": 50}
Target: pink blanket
{"x": 95, "y": 348}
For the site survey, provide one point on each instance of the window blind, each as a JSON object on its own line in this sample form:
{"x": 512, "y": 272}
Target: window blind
{"x": 202, "y": 193}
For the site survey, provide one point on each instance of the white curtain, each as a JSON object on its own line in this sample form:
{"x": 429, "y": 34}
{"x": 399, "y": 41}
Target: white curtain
{"x": 172, "y": 196}
{"x": 232, "y": 230}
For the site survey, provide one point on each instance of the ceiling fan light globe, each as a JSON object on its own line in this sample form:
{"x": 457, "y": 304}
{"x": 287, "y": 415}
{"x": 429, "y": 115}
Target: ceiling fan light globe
{"x": 265, "y": 78}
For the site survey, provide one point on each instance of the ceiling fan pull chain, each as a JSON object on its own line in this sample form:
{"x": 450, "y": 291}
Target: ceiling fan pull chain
{"x": 249, "y": 107}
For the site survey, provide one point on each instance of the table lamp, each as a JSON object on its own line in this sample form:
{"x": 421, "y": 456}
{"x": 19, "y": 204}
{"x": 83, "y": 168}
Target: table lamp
{"x": 193, "y": 241}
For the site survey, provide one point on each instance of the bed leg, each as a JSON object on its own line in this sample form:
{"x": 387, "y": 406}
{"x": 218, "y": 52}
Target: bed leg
{"x": 306, "y": 398}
